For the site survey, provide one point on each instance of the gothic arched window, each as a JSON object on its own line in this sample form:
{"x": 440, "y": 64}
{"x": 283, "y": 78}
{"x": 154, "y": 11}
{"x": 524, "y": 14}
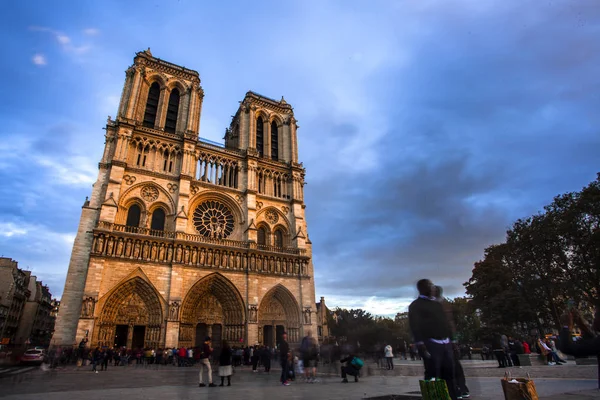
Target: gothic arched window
{"x": 262, "y": 236}
{"x": 158, "y": 220}
{"x": 274, "y": 141}
{"x": 278, "y": 238}
{"x": 152, "y": 105}
{"x": 172, "y": 110}
{"x": 259, "y": 136}
{"x": 133, "y": 216}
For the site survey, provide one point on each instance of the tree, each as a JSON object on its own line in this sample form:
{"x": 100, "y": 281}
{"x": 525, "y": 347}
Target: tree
{"x": 547, "y": 259}
{"x": 466, "y": 320}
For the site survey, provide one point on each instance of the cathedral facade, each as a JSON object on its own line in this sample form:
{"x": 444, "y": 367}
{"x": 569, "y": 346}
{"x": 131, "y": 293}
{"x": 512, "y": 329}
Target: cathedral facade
{"x": 182, "y": 237}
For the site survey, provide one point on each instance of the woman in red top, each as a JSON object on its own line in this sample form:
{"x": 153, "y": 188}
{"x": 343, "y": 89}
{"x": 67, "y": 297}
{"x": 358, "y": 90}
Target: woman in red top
{"x": 526, "y": 348}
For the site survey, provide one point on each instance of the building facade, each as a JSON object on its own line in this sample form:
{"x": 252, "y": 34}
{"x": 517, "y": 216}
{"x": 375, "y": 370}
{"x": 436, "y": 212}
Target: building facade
{"x": 14, "y": 292}
{"x": 37, "y": 320}
{"x": 183, "y": 238}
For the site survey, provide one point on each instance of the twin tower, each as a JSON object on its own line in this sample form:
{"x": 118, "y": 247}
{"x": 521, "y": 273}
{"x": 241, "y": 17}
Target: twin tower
{"x": 184, "y": 238}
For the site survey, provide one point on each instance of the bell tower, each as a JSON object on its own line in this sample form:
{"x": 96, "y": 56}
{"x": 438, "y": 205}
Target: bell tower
{"x": 264, "y": 127}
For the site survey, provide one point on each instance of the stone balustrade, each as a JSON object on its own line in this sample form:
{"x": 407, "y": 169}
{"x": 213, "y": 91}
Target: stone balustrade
{"x": 135, "y": 243}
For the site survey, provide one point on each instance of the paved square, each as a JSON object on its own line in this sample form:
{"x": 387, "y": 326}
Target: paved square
{"x": 182, "y": 383}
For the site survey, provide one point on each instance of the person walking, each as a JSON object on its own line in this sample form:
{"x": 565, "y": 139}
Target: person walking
{"x": 205, "y": 363}
{"x": 389, "y": 356}
{"x": 309, "y": 353}
{"x": 265, "y": 358}
{"x": 432, "y": 334}
{"x": 225, "y": 369}
{"x": 284, "y": 353}
{"x": 96, "y": 357}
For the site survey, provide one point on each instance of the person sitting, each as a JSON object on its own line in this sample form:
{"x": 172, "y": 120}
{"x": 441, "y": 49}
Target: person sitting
{"x": 351, "y": 368}
{"x": 589, "y": 345}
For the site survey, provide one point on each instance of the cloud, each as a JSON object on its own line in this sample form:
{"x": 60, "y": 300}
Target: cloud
{"x": 8, "y": 229}
{"x": 64, "y": 41}
{"x": 47, "y": 254}
{"x": 91, "y": 31}
{"x": 39, "y": 59}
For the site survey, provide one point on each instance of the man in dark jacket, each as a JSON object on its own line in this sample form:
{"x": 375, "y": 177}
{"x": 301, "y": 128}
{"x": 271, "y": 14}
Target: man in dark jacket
{"x": 284, "y": 354}
{"x": 432, "y": 332}
{"x": 207, "y": 351}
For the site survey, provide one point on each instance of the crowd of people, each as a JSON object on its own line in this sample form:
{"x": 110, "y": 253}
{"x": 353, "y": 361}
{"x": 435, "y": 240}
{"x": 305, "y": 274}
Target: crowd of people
{"x": 431, "y": 324}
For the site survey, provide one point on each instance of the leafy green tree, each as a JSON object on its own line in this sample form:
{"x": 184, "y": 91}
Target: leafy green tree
{"x": 547, "y": 259}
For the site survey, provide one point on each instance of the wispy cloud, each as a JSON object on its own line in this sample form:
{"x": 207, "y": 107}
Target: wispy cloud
{"x": 39, "y": 59}
{"x": 64, "y": 40}
{"x": 9, "y": 229}
{"x": 91, "y": 31}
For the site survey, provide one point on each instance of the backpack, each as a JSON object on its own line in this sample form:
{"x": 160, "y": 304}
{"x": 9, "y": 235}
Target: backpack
{"x": 357, "y": 363}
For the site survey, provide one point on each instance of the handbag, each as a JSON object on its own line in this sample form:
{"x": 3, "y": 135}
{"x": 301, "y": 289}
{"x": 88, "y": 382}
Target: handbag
{"x": 518, "y": 388}
{"x": 434, "y": 390}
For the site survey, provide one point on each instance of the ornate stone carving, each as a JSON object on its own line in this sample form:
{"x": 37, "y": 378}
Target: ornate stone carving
{"x": 213, "y": 219}
{"x": 87, "y": 307}
{"x": 271, "y": 216}
{"x": 253, "y": 314}
{"x": 129, "y": 179}
{"x": 239, "y": 198}
{"x": 259, "y": 205}
{"x": 132, "y": 311}
{"x": 174, "y": 311}
{"x": 149, "y": 193}
{"x": 307, "y": 316}
{"x": 285, "y": 209}
{"x": 172, "y": 187}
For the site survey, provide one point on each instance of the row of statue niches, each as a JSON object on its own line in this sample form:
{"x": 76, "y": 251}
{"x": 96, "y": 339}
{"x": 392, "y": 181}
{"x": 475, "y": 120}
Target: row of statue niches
{"x": 161, "y": 252}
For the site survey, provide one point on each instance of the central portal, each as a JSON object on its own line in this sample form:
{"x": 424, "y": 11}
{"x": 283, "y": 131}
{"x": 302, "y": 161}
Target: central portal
{"x": 139, "y": 335}
{"x": 121, "y": 335}
{"x": 212, "y": 307}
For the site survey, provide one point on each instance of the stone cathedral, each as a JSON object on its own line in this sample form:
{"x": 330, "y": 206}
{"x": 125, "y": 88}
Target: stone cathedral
{"x": 182, "y": 237}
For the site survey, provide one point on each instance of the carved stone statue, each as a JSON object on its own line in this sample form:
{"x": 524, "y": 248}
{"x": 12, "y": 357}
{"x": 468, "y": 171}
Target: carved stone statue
{"x": 99, "y": 244}
{"x": 174, "y": 311}
{"x": 253, "y": 313}
{"x": 128, "y": 248}
{"x": 169, "y": 253}
{"x": 145, "y": 251}
{"x": 153, "y": 252}
{"x": 161, "y": 252}
{"x": 186, "y": 255}
{"x": 87, "y": 308}
{"x": 136, "y": 249}
{"x": 195, "y": 256}
{"x": 307, "y": 316}
{"x": 110, "y": 246}
{"x": 202, "y": 257}
{"x": 224, "y": 260}
{"x": 120, "y": 248}
{"x": 178, "y": 254}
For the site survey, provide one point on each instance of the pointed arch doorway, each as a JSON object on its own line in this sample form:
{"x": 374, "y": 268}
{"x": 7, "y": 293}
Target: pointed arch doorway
{"x": 213, "y": 307}
{"x": 278, "y": 313}
{"x": 131, "y": 316}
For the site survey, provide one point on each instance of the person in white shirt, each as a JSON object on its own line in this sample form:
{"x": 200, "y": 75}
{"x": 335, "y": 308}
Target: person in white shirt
{"x": 389, "y": 356}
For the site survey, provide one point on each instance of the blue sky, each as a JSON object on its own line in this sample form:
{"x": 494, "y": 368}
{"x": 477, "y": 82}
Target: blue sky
{"x": 426, "y": 127}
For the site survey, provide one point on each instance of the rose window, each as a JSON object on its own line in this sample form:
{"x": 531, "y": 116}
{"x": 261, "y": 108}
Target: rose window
{"x": 213, "y": 219}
